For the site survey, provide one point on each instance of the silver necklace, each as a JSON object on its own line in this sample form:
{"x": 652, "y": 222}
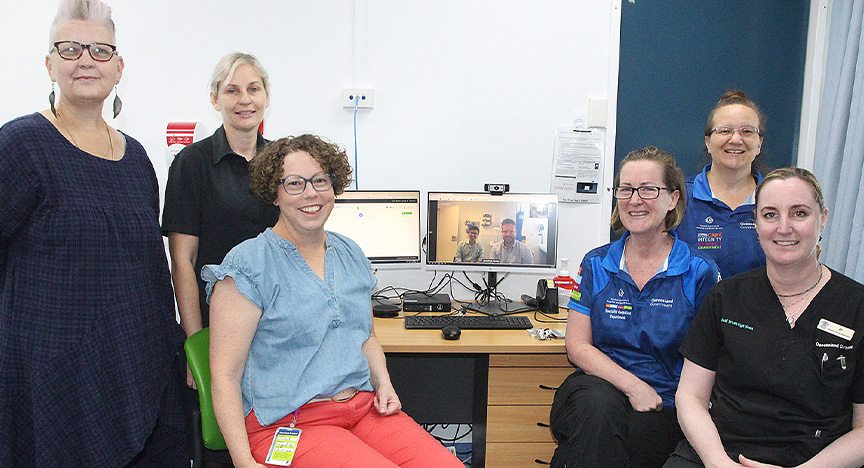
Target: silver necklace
{"x": 790, "y": 318}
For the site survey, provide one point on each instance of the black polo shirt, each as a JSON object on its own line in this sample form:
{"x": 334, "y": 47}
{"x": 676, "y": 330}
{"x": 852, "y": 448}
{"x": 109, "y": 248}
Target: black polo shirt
{"x": 208, "y": 196}
{"x": 780, "y": 394}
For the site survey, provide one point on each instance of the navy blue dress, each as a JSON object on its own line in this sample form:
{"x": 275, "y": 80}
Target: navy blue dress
{"x": 87, "y": 324}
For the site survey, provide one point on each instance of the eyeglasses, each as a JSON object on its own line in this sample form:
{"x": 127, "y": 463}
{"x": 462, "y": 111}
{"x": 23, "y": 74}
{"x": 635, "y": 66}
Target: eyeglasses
{"x": 295, "y": 185}
{"x": 646, "y": 192}
{"x": 72, "y": 50}
{"x": 746, "y": 131}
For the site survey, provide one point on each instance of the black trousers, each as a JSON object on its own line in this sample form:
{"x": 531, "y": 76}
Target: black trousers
{"x": 597, "y": 428}
{"x": 678, "y": 461}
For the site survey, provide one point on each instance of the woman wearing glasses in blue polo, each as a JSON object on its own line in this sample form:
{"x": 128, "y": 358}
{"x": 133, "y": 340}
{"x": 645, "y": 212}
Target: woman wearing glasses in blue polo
{"x": 632, "y": 306}
{"x": 719, "y": 218}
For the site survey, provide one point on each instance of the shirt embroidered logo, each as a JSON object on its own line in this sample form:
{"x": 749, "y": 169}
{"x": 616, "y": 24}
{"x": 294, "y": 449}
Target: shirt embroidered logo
{"x": 709, "y": 240}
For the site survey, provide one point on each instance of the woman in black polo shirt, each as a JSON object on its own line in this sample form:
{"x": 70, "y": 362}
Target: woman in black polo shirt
{"x": 208, "y": 204}
{"x": 772, "y": 373}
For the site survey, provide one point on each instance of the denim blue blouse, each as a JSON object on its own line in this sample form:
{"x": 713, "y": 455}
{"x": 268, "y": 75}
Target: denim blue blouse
{"x": 309, "y": 338}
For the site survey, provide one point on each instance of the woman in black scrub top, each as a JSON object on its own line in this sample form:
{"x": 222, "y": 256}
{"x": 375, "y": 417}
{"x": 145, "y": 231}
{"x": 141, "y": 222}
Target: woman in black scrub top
{"x": 771, "y": 374}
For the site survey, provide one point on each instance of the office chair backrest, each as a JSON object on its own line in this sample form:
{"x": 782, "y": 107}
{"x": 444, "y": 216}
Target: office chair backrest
{"x": 198, "y": 355}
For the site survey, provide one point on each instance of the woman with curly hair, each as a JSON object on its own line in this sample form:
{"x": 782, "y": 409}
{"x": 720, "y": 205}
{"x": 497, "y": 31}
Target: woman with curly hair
{"x": 292, "y": 343}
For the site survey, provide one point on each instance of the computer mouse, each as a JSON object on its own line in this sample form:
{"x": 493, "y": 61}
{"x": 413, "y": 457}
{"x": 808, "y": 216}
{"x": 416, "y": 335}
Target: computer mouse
{"x": 451, "y": 332}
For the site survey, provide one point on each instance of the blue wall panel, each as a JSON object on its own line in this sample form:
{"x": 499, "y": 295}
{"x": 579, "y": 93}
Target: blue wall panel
{"x": 679, "y": 56}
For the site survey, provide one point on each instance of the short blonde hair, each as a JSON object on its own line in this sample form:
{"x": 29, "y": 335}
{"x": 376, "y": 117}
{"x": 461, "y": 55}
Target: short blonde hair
{"x": 226, "y": 66}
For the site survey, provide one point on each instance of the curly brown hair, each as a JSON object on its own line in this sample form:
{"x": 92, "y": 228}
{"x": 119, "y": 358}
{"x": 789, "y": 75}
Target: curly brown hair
{"x": 266, "y": 166}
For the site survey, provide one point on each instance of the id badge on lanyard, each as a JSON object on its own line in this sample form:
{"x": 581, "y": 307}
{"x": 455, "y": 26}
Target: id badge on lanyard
{"x": 284, "y": 445}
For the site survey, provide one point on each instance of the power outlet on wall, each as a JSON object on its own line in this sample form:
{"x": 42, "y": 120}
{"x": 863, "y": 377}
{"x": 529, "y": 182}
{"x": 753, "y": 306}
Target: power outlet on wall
{"x": 362, "y": 97}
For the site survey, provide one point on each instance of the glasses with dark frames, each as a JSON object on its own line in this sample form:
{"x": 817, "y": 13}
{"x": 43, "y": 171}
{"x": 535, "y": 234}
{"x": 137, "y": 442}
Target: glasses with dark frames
{"x": 72, "y": 50}
{"x": 295, "y": 185}
{"x": 646, "y": 192}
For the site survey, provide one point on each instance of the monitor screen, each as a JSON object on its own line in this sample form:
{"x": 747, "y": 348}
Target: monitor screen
{"x": 385, "y": 224}
{"x": 516, "y": 232}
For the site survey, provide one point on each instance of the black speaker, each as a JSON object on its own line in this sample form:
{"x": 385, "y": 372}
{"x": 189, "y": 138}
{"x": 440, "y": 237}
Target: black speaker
{"x": 547, "y": 297}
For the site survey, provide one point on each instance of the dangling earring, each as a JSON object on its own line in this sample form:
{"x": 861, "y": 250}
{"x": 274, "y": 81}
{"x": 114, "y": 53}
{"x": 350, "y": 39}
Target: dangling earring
{"x": 118, "y": 104}
{"x": 51, "y": 100}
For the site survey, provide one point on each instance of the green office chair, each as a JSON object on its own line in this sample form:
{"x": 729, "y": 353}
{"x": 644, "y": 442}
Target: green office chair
{"x": 207, "y": 440}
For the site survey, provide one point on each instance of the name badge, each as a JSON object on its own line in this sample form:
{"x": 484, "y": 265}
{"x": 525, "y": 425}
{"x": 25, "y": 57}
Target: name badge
{"x": 836, "y": 329}
{"x": 283, "y": 447}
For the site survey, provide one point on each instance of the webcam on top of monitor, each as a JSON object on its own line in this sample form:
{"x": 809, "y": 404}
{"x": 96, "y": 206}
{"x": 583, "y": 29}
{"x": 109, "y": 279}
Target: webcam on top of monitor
{"x": 496, "y": 189}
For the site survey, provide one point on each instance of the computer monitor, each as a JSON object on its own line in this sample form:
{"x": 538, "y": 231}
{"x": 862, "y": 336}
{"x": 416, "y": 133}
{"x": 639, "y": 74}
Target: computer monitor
{"x": 528, "y": 219}
{"x": 385, "y": 224}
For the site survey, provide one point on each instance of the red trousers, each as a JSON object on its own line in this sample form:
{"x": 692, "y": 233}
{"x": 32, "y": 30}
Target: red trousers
{"x": 353, "y": 434}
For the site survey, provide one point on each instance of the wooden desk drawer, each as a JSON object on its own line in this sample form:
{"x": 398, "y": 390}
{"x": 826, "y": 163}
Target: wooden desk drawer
{"x": 518, "y": 455}
{"x": 518, "y": 424}
{"x": 522, "y": 386}
{"x": 529, "y": 360}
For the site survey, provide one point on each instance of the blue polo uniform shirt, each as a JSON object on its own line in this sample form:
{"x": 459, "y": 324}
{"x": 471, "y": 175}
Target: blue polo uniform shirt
{"x": 642, "y": 330}
{"x": 728, "y": 236}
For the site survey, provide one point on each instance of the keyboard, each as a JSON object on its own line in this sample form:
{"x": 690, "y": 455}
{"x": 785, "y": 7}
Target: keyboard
{"x": 469, "y": 322}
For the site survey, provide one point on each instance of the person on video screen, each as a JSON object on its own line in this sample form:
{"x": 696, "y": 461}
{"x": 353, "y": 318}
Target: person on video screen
{"x": 469, "y": 250}
{"x": 508, "y": 250}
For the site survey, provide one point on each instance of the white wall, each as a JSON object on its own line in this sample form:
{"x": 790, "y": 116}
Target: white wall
{"x": 465, "y": 92}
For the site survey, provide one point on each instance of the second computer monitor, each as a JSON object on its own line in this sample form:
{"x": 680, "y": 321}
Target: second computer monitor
{"x": 516, "y": 232}
{"x": 385, "y": 224}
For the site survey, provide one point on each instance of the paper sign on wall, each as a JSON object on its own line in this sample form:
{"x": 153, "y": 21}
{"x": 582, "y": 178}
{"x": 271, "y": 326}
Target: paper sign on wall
{"x": 577, "y": 170}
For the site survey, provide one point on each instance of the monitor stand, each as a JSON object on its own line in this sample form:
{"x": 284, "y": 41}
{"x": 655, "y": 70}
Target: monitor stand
{"x": 495, "y": 306}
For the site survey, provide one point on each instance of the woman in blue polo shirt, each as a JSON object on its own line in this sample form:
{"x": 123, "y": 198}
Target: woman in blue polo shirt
{"x": 632, "y": 306}
{"x": 719, "y": 217}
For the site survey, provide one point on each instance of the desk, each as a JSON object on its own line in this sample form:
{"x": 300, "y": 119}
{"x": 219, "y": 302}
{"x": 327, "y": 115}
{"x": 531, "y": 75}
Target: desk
{"x": 501, "y": 381}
